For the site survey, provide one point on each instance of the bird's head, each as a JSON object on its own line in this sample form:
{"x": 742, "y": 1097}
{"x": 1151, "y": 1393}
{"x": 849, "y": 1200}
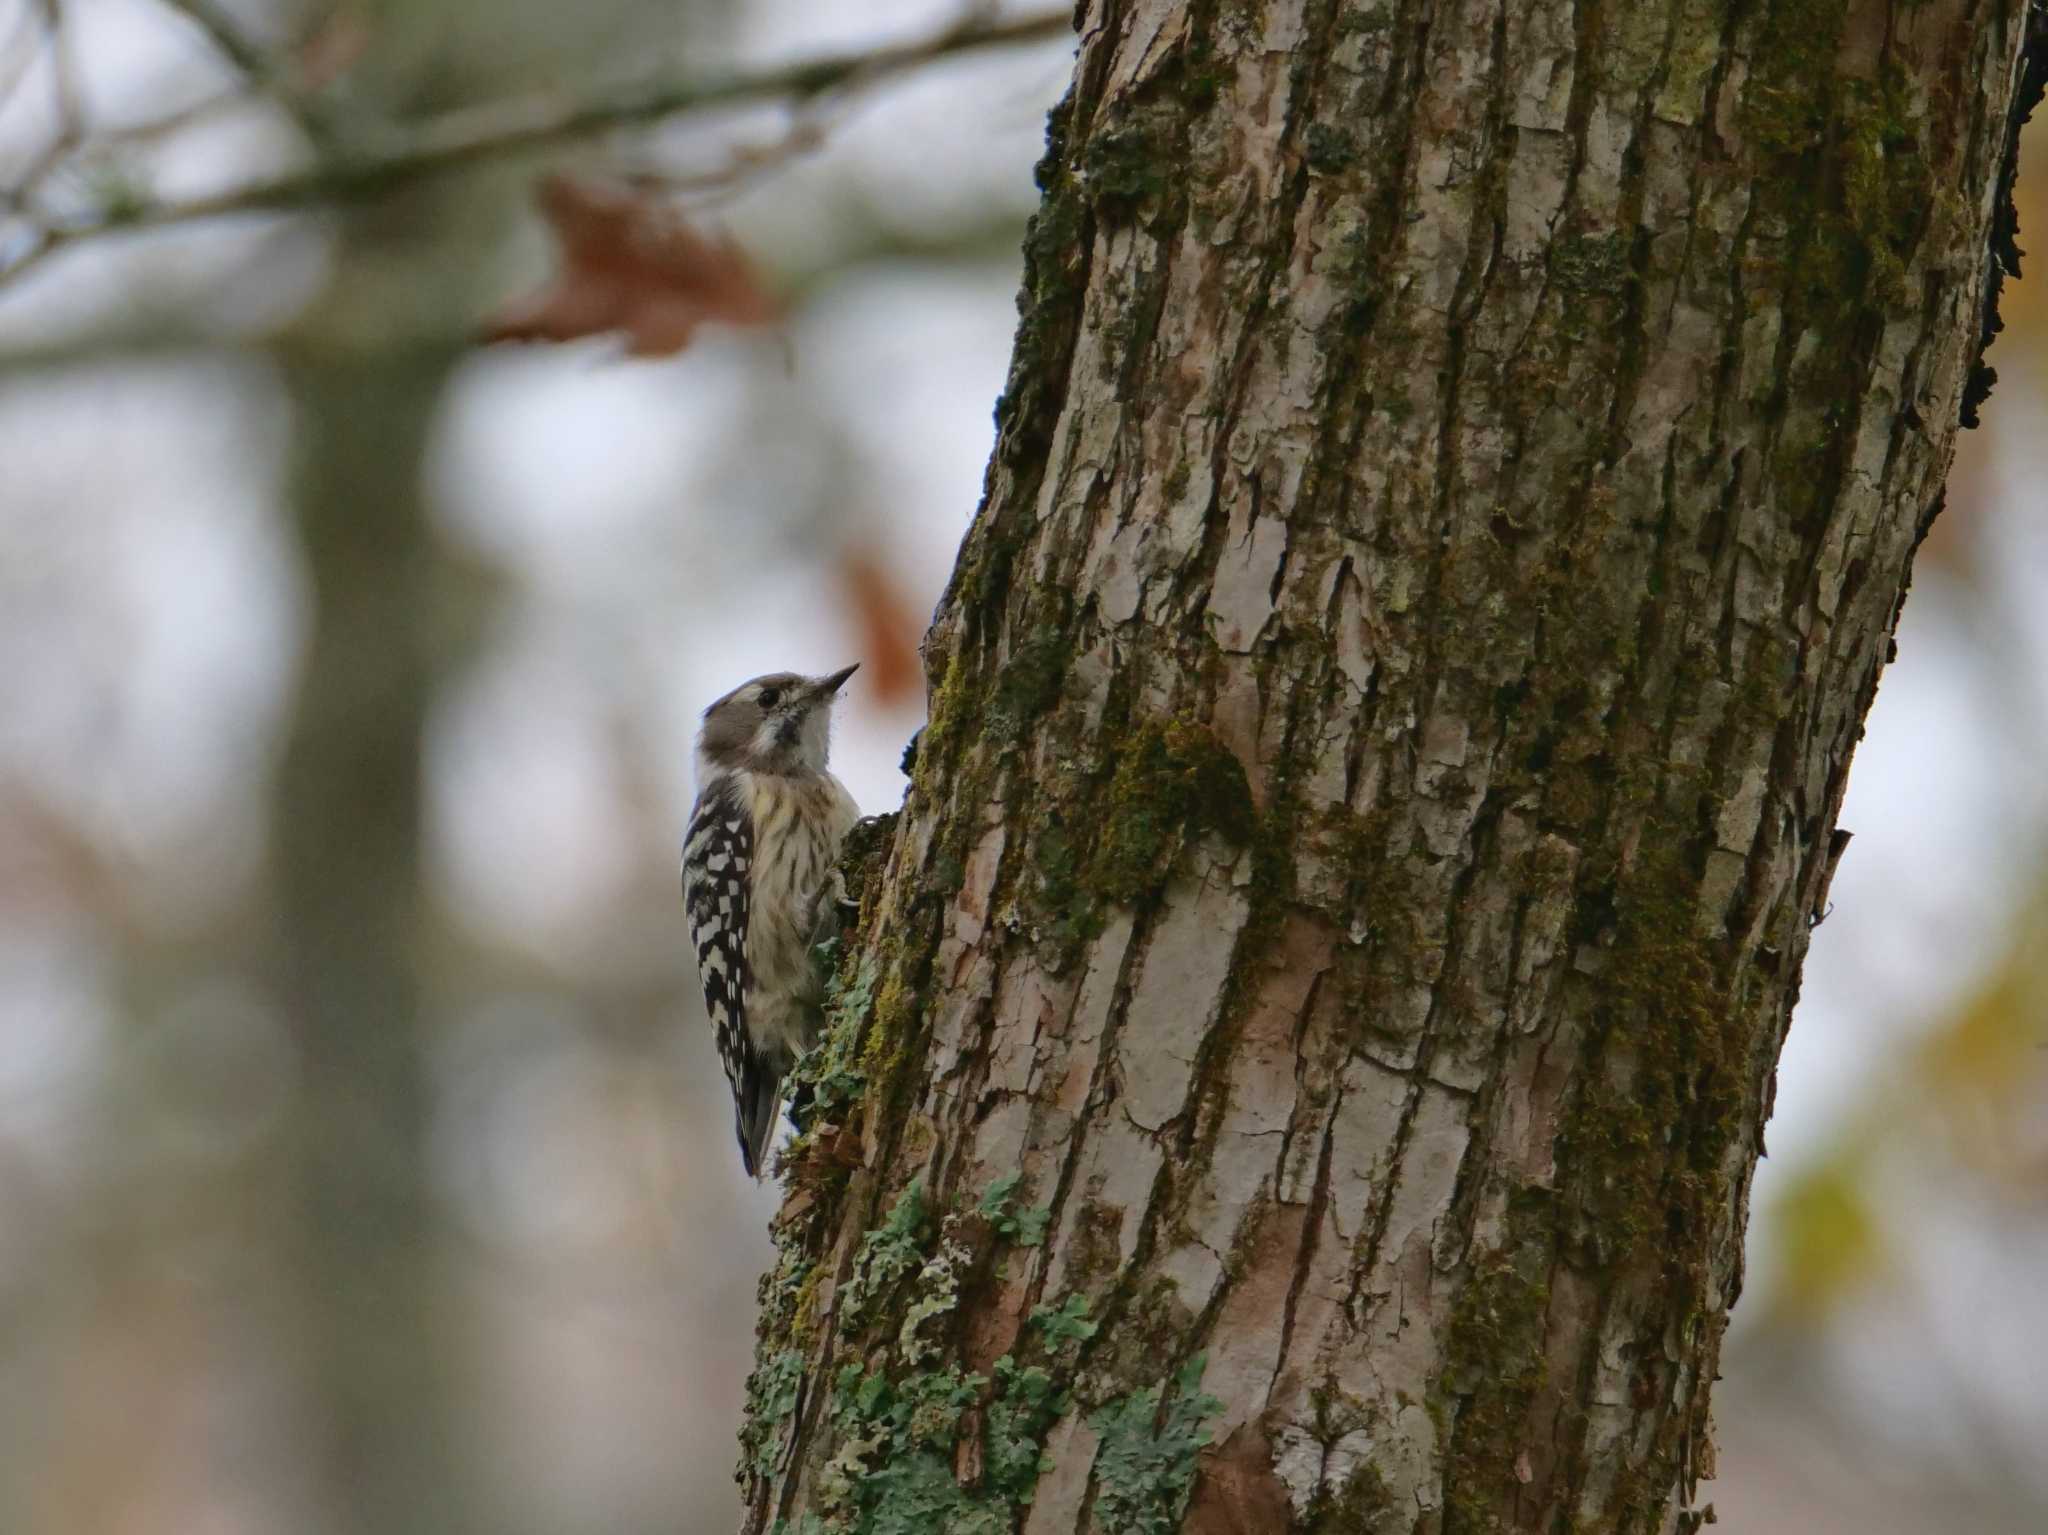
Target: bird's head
{"x": 780, "y": 723}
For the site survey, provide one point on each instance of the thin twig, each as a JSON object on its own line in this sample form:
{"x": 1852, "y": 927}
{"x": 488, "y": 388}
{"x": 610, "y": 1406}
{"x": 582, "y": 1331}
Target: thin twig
{"x": 64, "y": 72}
{"x": 19, "y": 52}
{"x": 70, "y": 111}
{"x": 470, "y": 135}
{"x": 35, "y": 246}
{"x": 227, "y": 37}
{"x": 257, "y": 66}
{"x": 153, "y": 129}
{"x": 743, "y": 165}
{"x": 184, "y": 330}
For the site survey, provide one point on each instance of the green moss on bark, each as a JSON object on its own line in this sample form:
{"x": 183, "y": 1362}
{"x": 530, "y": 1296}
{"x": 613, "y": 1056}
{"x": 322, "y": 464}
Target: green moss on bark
{"x": 1362, "y": 1505}
{"x": 1174, "y": 780}
{"x": 1664, "y": 1092}
{"x": 1049, "y": 304}
{"x": 1494, "y": 1364}
{"x": 1133, "y": 160}
{"x": 1785, "y": 104}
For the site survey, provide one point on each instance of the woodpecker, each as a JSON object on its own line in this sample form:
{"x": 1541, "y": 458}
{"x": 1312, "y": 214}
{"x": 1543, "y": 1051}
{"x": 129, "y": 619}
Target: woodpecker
{"x": 763, "y": 843}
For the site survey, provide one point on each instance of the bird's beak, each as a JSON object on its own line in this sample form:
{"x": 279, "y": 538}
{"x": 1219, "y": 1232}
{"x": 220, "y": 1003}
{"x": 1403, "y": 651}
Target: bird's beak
{"x": 827, "y": 686}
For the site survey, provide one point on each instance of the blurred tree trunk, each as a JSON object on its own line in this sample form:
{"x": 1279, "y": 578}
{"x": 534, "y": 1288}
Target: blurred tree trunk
{"x": 371, "y": 1291}
{"x": 1306, "y": 1053}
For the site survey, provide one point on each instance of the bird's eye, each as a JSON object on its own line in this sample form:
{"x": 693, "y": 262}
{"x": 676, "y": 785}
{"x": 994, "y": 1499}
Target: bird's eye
{"x": 770, "y": 696}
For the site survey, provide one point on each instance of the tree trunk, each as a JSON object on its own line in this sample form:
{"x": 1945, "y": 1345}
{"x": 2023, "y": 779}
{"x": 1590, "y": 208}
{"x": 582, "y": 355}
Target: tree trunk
{"x": 1303, "y": 1061}
{"x": 376, "y": 1356}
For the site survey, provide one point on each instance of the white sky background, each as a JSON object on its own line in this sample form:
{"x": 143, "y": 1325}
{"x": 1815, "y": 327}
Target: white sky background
{"x": 661, "y": 532}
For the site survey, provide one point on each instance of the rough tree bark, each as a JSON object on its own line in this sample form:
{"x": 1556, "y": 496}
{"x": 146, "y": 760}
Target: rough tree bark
{"x": 1310, "y": 1031}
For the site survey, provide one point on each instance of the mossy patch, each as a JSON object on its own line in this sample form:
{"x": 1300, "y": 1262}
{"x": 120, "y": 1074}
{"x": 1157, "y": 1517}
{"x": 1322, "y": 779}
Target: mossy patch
{"x": 1174, "y": 779}
{"x": 1030, "y": 681}
{"x": 1139, "y": 1328}
{"x": 895, "y": 1015}
{"x": 1132, "y": 159}
{"x": 1358, "y": 273}
{"x": 1785, "y": 104}
{"x": 1056, "y": 247}
{"x": 1494, "y": 1364}
{"x": 1887, "y": 181}
{"x": 1362, "y": 1504}
{"x": 1591, "y": 264}
{"x": 1376, "y": 882}
{"x": 864, "y": 857}
{"x": 1330, "y": 150}
{"x": 1112, "y": 840}
{"x": 1663, "y": 1091}
{"x": 1853, "y": 177}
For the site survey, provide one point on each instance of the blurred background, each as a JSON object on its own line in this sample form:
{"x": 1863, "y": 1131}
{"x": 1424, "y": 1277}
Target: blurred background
{"x": 364, "y": 1160}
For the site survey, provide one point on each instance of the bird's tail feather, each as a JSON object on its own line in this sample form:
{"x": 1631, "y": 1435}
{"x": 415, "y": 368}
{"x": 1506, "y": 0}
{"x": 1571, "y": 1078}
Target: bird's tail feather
{"x": 756, "y": 1111}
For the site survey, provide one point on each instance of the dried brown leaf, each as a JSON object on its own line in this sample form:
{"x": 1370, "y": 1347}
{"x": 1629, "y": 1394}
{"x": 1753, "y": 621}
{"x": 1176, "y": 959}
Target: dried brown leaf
{"x": 889, "y": 631}
{"x": 335, "y": 46}
{"x": 631, "y": 264}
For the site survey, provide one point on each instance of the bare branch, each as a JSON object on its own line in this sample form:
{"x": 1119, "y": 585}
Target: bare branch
{"x": 18, "y": 52}
{"x": 226, "y": 35}
{"x": 180, "y": 329}
{"x": 69, "y": 127}
{"x": 743, "y": 165}
{"x": 495, "y": 130}
{"x": 64, "y": 64}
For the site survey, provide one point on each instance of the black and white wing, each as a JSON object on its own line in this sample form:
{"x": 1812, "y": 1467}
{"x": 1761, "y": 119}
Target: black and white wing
{"x": 718, "y": 854}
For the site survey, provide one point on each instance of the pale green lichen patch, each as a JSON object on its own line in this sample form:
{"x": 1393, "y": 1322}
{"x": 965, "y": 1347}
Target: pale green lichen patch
{"x": 1065, "y": 1323}
{"x": 921, "y": 1446}
{"x": 1023, "y": 1411}
{"x": 1145, "y": 1461}
{"x": 938, "y": 1293}
{"x": 899, "y": 1469}
{"x": 1024, "y": 1226}
{"x": 887, "y": 1254}
{"x": 772, "y": 1392}
{"x": 830, "y": 1077}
